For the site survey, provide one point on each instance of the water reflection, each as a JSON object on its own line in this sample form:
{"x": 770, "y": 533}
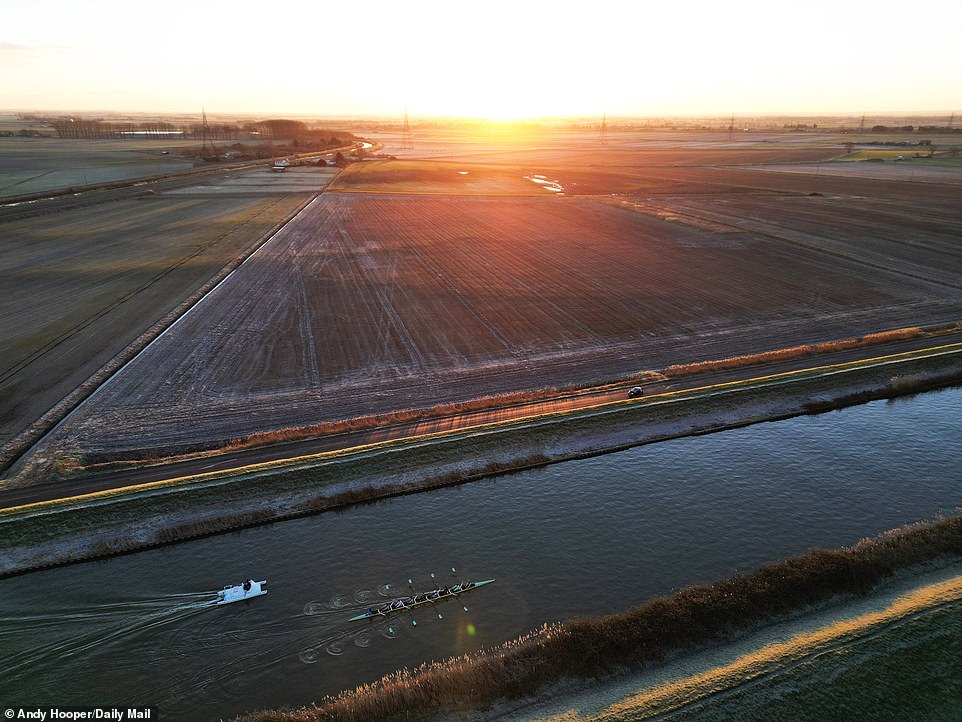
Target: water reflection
{"x": 582, "y": 538}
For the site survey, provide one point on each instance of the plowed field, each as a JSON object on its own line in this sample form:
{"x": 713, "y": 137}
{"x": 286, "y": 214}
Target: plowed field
{"x": 368, "y": 302}
{"x": 81, "y": 283}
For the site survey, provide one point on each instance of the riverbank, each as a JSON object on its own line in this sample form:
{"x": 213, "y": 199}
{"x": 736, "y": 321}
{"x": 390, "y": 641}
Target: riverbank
{"x": 893, "y": 652}
{"x": 96, "y": 525}
{"x": 611, "y": 668}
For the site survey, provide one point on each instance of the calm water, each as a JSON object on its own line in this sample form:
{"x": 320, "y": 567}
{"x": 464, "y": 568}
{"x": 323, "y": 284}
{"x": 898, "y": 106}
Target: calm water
{"x": 580, "y": 538}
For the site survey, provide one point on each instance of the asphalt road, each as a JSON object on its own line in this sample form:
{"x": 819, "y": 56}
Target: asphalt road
{"x": 46, "y": 491}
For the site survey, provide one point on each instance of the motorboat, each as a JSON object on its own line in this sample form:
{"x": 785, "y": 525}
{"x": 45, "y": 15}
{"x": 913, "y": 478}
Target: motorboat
{"x": 240, "y": 592}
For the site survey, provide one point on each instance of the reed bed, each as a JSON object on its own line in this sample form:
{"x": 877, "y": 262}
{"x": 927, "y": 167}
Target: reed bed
{"x": 785, "y": 354}
{"x": 899, "y": 385}
{"x": 591, "y": 649}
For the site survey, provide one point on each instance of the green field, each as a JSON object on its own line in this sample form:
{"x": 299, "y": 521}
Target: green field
{"x": 83, "y": 283}
{"x": 30, "y": 166}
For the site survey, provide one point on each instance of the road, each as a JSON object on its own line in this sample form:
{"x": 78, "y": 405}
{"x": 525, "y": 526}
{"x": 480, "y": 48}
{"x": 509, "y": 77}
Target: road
{"x": 12, "y": 209}
{"x": 47, "y": 491}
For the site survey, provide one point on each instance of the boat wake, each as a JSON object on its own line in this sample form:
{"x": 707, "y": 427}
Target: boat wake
{"x": 401, "y": 606}
{"x": 340, "y": 640}
{"x": 100, "y": 627}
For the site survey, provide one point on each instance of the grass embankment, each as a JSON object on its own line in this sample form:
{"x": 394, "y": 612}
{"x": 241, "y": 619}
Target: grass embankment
{"x": 128, "y": 519}
{"x": 105, "y": 461}
{"x": 590, "y": 649}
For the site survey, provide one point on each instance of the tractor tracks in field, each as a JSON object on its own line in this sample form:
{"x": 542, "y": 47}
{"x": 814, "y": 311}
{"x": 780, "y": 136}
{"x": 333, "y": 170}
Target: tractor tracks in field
{"x": 720, "y": 223}
{"x": 16, "y": 447}
{"x": 7, "y": 373}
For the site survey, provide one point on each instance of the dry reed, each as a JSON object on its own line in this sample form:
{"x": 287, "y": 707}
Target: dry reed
{"x": 785, "y": 354}
{"x": 586, "y": 649}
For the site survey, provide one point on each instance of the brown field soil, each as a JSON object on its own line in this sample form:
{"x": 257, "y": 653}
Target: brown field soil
{"x": 656, "y": 162}
{"x": 81, "y": 284}
{"x": 370, "y": 302}
{"x": 916, "y": 236}
{"x": 670, "y": 156}
{"x": 426, "y": 289}
{"x": 627, "y": 148}
{"x": 435, "y": 177}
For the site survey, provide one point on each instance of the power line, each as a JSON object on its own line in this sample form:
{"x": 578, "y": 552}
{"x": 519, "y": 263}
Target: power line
{"x": 407, "y": 138}
{"x": 206, "y": 134}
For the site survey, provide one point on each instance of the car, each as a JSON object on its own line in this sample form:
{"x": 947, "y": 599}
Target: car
{"x": 635, "y": 391}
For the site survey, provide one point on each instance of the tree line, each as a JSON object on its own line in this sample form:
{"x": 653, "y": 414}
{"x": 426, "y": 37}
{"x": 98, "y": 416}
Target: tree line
{"x": 295, "y": 131}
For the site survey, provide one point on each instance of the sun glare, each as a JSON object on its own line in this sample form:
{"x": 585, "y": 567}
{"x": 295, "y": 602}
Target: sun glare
{"x": 502, "y": 61}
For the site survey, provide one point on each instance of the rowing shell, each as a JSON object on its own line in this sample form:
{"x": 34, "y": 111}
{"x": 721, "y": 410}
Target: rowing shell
{"x": 420, "y": 599}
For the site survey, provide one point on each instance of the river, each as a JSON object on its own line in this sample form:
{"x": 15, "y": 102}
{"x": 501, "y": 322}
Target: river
{"x": 585, "y": 537}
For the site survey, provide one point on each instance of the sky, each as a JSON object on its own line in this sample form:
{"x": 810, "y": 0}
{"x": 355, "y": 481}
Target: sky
{"x": 494, "y": 59}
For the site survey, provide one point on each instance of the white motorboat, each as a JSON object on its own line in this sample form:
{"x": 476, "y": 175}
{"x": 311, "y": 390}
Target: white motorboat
{"x": 239, "y": 592}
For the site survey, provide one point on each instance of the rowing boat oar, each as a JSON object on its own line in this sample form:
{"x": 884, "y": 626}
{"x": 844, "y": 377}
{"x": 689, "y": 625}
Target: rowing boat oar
{"x": 407, "y": 603}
